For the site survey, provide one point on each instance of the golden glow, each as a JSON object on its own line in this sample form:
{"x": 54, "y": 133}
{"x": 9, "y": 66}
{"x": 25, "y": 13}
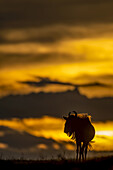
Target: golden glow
{"x": 42, "y": 146}
{"x": 104, "y": 133}
{"x": 3, "y": 146}
{"x": 56, "y": 146}
{"x": 76, "y": 57}
{"x": 1, "y": 133}
{"x": 50, "y": 127}
{"x": 76, "y": 60}
{"x": 98, "y": 49}
{"x": 70, "y": 147}
{"x": 64, "y": 73}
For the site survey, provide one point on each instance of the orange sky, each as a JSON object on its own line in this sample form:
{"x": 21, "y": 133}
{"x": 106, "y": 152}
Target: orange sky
{"x": 49, "y": 127}
{"x": 56, "y": 51}
{"x": 65, "y": 46}
{"x": 78, "y": 61}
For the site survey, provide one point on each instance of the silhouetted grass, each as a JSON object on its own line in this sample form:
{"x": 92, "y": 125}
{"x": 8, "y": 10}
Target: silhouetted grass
{"x": 97, "y": 163}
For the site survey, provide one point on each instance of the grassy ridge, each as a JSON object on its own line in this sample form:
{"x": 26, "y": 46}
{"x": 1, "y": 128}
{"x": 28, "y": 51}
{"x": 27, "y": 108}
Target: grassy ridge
{"x": 98, "y": 163}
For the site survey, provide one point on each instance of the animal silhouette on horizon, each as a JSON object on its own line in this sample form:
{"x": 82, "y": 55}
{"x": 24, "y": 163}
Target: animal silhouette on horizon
{"x": 80, "y": 128}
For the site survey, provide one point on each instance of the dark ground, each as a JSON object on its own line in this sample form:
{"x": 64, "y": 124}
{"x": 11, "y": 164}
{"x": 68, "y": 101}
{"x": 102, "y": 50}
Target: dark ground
{"x": 97, "y": 163}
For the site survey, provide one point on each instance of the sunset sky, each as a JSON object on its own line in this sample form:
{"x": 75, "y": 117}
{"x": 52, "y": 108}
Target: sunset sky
{"x": 56, "y": 56}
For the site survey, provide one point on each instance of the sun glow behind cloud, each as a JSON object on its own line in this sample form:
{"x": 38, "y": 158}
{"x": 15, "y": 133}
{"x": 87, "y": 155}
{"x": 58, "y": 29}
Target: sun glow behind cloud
{"x": 71, "y": 73}
{"x": 64, "y": 60}
{"x": 50, "y": 127}
{"x": 108, "y": 133}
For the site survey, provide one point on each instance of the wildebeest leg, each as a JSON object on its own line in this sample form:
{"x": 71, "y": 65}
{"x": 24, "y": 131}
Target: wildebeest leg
{"x": 86, "y": 151}
{"x": 80, "y": 151}
{"x": 77, "y": 151}
{"x": 83, "y": 152}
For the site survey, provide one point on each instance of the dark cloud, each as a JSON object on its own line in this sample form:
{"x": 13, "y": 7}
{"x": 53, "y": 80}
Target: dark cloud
{"x": 19, "y": 140}
{"x": 24, "y": 141}
{"x": 105, "y": 80}
{"x": 43, "y": 81}
{"x": 37, "y": 13}
{"x": 56, "y": 105}
{"x": 16, "y": 59}
{"x": 54, "y": 33}
{"x": 16, "y": 139}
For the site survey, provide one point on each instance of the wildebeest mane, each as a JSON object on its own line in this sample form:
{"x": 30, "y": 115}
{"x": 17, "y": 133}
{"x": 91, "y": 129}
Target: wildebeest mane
{"x": 84, "y": 116}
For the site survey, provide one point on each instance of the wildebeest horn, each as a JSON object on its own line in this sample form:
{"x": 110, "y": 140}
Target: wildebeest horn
{"x": 65, "y": 117}
{"x": 75, "y": 113}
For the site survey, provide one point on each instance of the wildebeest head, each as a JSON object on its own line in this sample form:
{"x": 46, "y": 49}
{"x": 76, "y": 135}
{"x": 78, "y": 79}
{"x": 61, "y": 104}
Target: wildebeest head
{"x": 70, "y": 121}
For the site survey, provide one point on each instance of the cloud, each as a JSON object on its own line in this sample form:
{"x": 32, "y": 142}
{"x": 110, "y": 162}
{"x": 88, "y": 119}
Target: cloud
{"x": 92, "y": 86}
{"x": 103, "y": 85}
{"x": 43, "y": 81}
{"x": 57, "y": 32}
{"x": 41, "y": 13}
{"x": 56, "y": 105}
{"x": 42, "y": 58}
{"x": 26, "y": 143}
{"x": 29, "y": 139}
{"x": 60, "y": 52}
{"x": 47, "y": 134}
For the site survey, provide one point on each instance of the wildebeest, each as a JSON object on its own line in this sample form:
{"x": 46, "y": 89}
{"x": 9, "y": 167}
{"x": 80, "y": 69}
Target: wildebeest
{"x": 80, "y": 128}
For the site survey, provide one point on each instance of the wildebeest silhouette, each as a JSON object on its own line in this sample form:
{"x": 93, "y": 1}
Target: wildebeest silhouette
{"x": 79, "y": 127}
